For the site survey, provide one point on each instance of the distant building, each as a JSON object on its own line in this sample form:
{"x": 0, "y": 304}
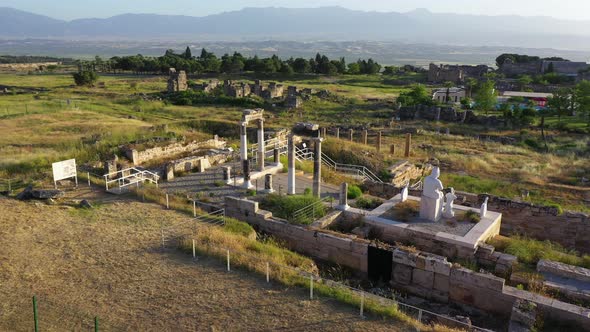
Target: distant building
{"x": 455, "y": 73}
{"x": 539, "y": 99}
{"x": 540, "y": 67}
{"x": 454, "y": 94}
{"x": 567, "y": 68}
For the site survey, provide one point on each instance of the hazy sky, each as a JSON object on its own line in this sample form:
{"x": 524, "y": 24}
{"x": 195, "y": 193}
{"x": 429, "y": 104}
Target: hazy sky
{"x": 70, "y": 9}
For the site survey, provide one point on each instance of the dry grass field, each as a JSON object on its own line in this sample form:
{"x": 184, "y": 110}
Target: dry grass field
{"x": 106, "y": 262}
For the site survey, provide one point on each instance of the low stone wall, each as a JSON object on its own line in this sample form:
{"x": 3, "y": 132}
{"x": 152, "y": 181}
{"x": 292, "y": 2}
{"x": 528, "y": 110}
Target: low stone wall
{"x": 335, "y": 248}
{"x": 422, "y": 274}
{"x": 433, "y": 277}
{"x": 139, "y": 157}
{"x": 570, "y": 229}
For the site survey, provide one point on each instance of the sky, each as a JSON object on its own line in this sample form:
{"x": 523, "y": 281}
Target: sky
{"x": 72, "y": 9}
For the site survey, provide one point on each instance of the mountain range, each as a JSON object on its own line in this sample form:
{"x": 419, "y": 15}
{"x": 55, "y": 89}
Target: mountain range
{"x": 312, "y": 24}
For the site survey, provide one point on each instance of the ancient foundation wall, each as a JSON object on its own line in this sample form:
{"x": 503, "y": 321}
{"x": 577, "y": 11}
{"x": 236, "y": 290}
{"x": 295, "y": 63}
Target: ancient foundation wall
{"x": 139, "y": 157}
{"x": 342, "y": 250}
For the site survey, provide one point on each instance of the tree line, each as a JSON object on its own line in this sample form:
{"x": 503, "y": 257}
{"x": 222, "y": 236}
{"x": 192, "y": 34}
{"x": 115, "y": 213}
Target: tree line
{"x": 207, "y": 62}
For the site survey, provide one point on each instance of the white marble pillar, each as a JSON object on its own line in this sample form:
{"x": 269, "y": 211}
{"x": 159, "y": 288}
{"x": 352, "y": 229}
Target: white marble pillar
{"x": 291, "y": 166}
{"x": 261, "y": 146}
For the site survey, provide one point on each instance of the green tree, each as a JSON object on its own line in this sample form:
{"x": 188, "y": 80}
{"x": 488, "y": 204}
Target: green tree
{"x": 485, "y": 98}
{"x": 85, "y": 77}
{"x": 187, "y": 53}
{"x": 524, "y": 81}
{"x": 390, "y": 70}
{"x": 560, "y": 102}
{"x": 471, "y": 84}
{"x": 418, "y": 95}
{"x": 583, "y": 98}
{"x": 448, "y": 86}
{"x": 301, "y": 66}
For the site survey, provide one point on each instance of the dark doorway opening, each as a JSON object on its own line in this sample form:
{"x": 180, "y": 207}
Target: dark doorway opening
{"x": 380, "y": 264}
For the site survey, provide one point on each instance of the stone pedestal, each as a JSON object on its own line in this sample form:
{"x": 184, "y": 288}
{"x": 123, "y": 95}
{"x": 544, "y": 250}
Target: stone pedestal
{"x": 227, "y": 174}
{"x": 365, "y": 137}
{"x": 392, "y": 149}
{"x": 431, "y": 208}
{"x": 338, "y": 133}
{"x": 408, "y": 145}
{"x": 169, "y": 172}
{"x": 351, "y": 135}
{"x": 268, "y": 184}
{"x": 276, "y": 156}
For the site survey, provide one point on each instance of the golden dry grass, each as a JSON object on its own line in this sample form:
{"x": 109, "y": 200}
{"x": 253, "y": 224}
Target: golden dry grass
{"x": 107, "y": 262}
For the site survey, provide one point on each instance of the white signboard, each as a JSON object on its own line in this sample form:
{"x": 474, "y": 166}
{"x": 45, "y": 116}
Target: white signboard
{"x": 64, "y": 170}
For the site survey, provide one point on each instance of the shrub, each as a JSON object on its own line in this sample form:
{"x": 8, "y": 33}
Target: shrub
{"x": 285, "y": 206}
{"x": 238, "y": 227}
{"x": 472, "y": 217}
{"x": 407, "y": 210}
{"x": 368, "y": 203}
{"x": 85, "y": 78}
{"x": 354, "y": 192}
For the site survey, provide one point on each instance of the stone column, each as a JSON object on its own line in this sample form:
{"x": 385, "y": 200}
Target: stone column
{"x": 324, "y": 132}
{"x": 317, "y": 168}
{"x": 392, "y": 149}
{"x": 261, "y": 146}
{"x": 291, "y": 166}
{"x": 408, "y": 145}
{"x": 338, "y": 132}
{"x": 351, "y": 135}
{"x": 379, "y": 141}
{"x": 246, "y": 169}
{"x": 365, "y": 137}
{"x": 227, "y": 174}
{"x": 268, "y": 184}
{"x": 343, "y": 199}
{"x": 276, "y": 156}
{"x": 243, "y": 142}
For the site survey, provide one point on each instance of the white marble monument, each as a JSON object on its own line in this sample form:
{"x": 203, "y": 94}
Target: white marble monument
{"x": 431, "y": 203}
{"x": 450, "y": 198}
{"x": 484, "y": 208}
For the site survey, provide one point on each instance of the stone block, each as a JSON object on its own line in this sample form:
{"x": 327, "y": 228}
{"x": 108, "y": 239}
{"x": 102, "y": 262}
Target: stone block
{"x": 564, "y": 270}
{"x": 404, "y": 257}
{"x": 438, "y": 264}
{"x": 402, "y": 274}
{"x": 441, "y": 283}
{"x": 461, "y": 275}
{"x": 422, "y": 278}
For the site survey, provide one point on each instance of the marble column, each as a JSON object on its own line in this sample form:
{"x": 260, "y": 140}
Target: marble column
{"x": 291, "y": 166}
{"x": 365, "y": 137}
{"x": 379, "y": 141}
{"x": 351, "y": 135}
{"x": 338, "y": 133}
{"x": 261, "y": 146}
{"x": 247, "y": 179}
{"x": 277, "y": 155}
{"x": 317, "y": 168}
{"x": 343, "y": 199}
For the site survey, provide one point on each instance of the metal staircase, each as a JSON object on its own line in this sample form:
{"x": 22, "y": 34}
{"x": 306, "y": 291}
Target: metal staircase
{"x": 356, "y": 171}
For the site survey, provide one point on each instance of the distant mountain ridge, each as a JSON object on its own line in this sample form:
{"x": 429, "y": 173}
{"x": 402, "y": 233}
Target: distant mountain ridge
{"x": 325, "y": 23}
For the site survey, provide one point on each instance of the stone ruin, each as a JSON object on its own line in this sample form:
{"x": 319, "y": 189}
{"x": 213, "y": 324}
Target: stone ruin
{"x": 455, "y": 73}
{"x": 293, "y": 100}
{"x": 177, "y": 81}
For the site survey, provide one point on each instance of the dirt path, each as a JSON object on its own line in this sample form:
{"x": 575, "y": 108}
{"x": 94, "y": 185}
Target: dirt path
{"x": 106, "y": 263}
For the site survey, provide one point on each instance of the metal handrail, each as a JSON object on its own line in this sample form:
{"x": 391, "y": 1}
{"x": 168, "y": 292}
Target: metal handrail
{"x": 139, "y": 176}
{"x": 305, "y": 211}
{"x": 358, "y": 169}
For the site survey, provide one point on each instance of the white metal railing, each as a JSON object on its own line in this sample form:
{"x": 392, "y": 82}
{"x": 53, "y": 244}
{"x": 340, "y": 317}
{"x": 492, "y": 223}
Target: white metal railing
{"x": 303, "y": 154}
{"x": 309, "y": 213}
{"x": 354, "y": 170}
{"x": 270, "y": 145}
{"x": 128, "y": 177}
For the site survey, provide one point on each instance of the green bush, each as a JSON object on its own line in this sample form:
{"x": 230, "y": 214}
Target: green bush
{"x": 368, "y": 203}
{"x": 238, "y": 227}
{"x": 472, "y": 217}
{"x": 285, "y": 206}
{"x": 85, "y": 77}
{"x": 530, "y": 251}
{"x": 354, "y": 192}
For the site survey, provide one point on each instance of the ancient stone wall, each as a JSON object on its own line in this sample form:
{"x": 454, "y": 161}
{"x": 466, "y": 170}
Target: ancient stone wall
{"x": 331, "y": 247}
{"x": 419, "y": 273}
{"x": 177, "y": 81}
{"x": 139, "y": 157}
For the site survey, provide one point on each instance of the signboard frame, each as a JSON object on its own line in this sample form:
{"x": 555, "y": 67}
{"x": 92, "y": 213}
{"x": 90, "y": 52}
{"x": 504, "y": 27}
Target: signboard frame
{"x": 65, "y": 169}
